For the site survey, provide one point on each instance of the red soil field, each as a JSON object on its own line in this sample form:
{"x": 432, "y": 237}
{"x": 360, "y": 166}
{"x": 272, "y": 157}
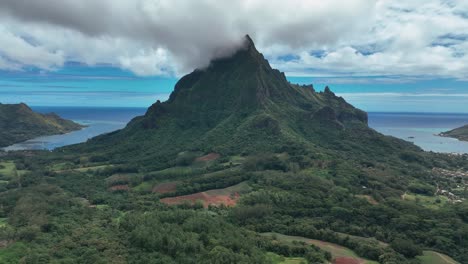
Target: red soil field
{"x": 347, "y": 260}
{"x": 166, "y": 187}
{"x": 207, "y": 199}
{"x": 209, "y": 157}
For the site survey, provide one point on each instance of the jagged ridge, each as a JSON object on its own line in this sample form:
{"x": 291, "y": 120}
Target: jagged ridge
{"x": 240, "y": 104}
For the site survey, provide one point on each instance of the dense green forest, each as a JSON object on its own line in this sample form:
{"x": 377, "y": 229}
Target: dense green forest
{"x": 231, "y": 169}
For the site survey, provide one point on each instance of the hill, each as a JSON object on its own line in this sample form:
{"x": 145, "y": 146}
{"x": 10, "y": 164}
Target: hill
{"x": 236, "y": 152}
{"x": 19, "y": 123}
{"x": 239, "y": 105}
{"x": 460, "y": 133}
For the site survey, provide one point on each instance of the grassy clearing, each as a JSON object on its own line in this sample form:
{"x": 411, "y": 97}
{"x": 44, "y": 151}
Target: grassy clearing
{"x": 317, "y": 172}
{"x": 94, "y": 168}
{"x": 62, "y": 166}
{"x": 144, "y": 187}
{"x": 294, "y": 261}
{"x": 66, "y": 166}
{"x": 9, "y": 172}
{"x": 102, "y": 206}
{"x": 3, "y": 222}
{"x": 277, "y": 259}
{"x": 240, "y": 188}
{"x": 8, "y": 169}
{"x": 432, "y": 202}
{"x": 177, "y": 172}
{"x": 234, "y": 161}
{"x": 336, "y": 251}
{"x": 432, "y": 257}
{"x": 364, "y": 239}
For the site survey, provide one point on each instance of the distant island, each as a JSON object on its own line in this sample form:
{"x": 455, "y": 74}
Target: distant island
{"x": 460, "y": 133}
{"x": 19, "y": 123}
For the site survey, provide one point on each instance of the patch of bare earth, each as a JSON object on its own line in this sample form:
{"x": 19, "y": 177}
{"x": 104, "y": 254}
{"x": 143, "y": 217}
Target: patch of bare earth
{"x": 123, "y": 188}
{"x": 205, "y": 197}
{"x": 208, "y": 157}
{"x": 167, "y": 187}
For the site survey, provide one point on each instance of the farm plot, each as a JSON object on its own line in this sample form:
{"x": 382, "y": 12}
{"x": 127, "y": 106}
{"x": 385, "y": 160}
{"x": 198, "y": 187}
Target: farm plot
{"x": 226, "y": 196}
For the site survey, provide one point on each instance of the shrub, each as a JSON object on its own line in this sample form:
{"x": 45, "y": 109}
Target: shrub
{"x": 406, "y": 248}
{"x": 420, "y": 188}
{"x": 185, "y": 159}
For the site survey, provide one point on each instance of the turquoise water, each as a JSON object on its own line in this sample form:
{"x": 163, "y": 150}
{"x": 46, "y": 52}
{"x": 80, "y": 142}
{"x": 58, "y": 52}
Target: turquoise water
{"x": 419, "y": 128}
{"x": 97, "y": 120}
{"x": 422, "y": 129}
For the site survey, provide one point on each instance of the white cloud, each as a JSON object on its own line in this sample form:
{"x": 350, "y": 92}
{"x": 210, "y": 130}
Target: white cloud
{"x": 406, "y": 39}
{"x": 21, "y": 52}
{"x": 154, "y": 62}
{"x": 161, "y": 37}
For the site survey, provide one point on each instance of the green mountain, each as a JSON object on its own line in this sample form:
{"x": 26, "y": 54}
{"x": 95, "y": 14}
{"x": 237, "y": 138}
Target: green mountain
{"x": 460, "y": 133}
{"x": 238, "y": 166}
{"x": 239, "y": 105}
{"x": 19, "y": 123}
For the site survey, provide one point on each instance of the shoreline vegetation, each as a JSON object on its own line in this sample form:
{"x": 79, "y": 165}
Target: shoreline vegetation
{"x": 20, "y": 123}
{"x": 460, "y": 133}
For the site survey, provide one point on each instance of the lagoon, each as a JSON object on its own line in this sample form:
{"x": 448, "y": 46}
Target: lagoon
{"x": 419, "y": 128}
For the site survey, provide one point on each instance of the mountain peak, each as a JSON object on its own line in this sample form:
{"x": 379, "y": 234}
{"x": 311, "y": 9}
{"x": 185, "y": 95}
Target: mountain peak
{"x": 245, "y": 78}
{"x": 248, "y": 42}
{"x": 246, "y": 53}
{"x": 243, "y": 82}
{"x": 240, "y": 103}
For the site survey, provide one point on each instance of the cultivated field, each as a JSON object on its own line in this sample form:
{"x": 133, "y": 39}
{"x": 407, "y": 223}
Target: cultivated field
{"x": 226, "y": 196}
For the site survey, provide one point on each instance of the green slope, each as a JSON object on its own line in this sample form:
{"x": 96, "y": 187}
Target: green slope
{"x": 241, "y": 105}
{"x": 460, "y": 133}
{"x": 19, "y": 123}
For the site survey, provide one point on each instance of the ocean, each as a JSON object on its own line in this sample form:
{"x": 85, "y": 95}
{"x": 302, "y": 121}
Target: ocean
{"x": 422, "y": 129}
{"x": 419, "y": 128}
{"x": 98, "y": 121}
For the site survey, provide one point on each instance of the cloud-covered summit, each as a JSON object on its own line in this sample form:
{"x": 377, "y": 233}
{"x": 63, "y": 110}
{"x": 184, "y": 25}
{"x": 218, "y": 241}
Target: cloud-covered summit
{"x": 301, "y": 37}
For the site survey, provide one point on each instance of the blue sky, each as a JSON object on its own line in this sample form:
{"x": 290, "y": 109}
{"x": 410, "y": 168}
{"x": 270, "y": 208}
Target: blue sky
{"x": 80, "y": 85}
{"x": 380, "y": 55}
